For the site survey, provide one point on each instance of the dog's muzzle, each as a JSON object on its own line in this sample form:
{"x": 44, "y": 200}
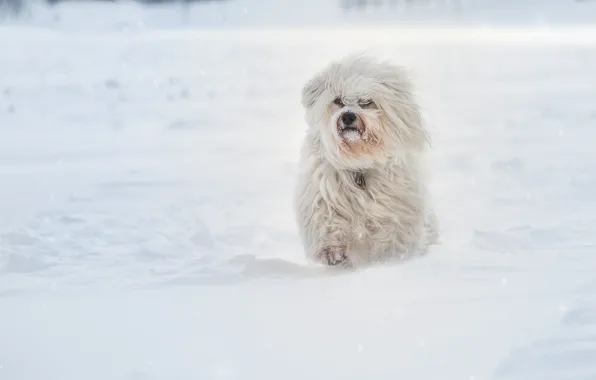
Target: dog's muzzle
{"x": 349, "y": 124}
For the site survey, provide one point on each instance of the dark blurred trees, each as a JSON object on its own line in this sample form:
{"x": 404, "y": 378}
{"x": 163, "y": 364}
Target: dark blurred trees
{"x": 140, "y": 1}
{"x": 16, "y": 8}
{"x": 11, "y": 7}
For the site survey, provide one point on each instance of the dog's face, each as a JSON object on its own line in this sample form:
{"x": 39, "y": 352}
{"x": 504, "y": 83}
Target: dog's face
{"x": 363, "y": 112}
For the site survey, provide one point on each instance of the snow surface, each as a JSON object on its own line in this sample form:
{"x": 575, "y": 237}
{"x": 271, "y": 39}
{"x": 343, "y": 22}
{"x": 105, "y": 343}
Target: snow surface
{"x": 147, "y": 230}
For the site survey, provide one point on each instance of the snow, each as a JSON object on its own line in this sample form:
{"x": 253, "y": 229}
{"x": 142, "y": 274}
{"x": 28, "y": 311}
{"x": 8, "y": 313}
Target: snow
{"x": 147, "y": 230}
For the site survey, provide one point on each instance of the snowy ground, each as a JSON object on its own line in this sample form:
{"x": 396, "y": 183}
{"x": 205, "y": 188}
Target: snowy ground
{"x": 147, "y": 230}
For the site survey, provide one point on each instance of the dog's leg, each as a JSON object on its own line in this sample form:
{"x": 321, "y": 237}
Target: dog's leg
{"x": 323, "y": 231}
{"x": 333, "y": 255}
{"x": 333, "y": 247}
{"x": 326, "y": 242}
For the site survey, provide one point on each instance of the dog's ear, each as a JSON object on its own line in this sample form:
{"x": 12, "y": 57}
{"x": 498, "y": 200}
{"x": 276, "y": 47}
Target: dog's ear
{"x": 313, "y": 89}
{"x": 402, "y": 100}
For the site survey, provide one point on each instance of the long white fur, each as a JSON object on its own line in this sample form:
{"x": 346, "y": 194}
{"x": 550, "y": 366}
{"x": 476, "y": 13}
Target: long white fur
{"x": 393, "y": 216}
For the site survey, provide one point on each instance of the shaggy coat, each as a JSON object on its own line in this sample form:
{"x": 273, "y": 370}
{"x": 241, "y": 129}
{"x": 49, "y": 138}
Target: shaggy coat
{"x": 361, "y": 192}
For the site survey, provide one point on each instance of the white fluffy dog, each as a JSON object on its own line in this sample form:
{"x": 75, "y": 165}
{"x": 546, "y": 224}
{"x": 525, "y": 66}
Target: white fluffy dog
{"x": 361, "y": 193}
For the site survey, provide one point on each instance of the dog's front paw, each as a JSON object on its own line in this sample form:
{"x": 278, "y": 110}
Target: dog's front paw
{"x": 333, "y": 255}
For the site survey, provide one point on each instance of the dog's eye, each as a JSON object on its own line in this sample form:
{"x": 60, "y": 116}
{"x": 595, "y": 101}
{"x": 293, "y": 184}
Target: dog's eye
{"x": 338, "y": 102}
{"x": 366, "y": 103}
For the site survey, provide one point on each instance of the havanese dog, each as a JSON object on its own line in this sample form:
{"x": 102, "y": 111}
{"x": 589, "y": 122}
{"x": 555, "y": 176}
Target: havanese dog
{"x": 361, "y": 194}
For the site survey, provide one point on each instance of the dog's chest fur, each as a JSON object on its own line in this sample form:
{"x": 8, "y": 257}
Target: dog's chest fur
{"x": 376, "y": 203}
{"x": 385, "y": 215}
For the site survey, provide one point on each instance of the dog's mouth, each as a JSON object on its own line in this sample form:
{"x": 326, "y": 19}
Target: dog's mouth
{"x": 350, "y": 132}
{"x": 349, "y": 129}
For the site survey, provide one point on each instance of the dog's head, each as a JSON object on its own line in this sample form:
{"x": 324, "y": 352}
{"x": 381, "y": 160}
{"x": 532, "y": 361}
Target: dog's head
{"x": 363, "y": 111}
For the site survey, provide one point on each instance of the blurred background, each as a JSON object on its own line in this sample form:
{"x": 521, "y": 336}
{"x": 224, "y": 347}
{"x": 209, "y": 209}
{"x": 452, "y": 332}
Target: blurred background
{"x": 263, "y": 13}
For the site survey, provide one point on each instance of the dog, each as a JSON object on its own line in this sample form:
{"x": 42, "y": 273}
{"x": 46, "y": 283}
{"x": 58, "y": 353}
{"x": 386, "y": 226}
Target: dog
{"x": 361, "y": 193}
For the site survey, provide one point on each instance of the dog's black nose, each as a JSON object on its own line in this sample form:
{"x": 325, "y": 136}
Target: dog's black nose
{"x": 348, "y": 118}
